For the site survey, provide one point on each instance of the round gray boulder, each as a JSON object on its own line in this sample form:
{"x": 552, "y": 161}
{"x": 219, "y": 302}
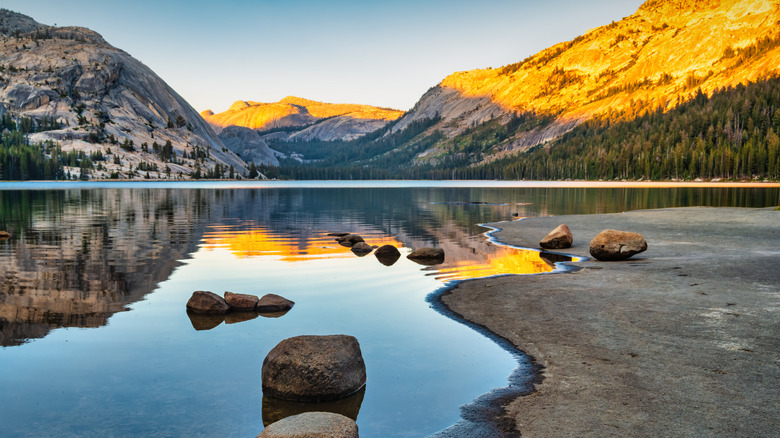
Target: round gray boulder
{"x": 312, "y": 425}
{"x": 314, "y": 368}
{"x": 207, "y": 303}
{"x": 612, "y": 245}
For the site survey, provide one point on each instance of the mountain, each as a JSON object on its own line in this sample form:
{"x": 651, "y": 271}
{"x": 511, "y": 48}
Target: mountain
{"x": 69, "y": 86}
{"x": 297, "y": 119}
{"x": 650, "y": 64}
{"x": 658, "y": 57}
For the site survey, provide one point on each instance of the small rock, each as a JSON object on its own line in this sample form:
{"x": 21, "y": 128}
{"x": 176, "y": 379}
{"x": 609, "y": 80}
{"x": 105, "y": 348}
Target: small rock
{"x": 314, "y": 368}
{"x": 312, "y": 425}
{"x": 610, "y": 245}
{"x": 272, "y": 303}
{"x": 4, "y": 234}
{"x": 427, "y": 256}
{"x": 387, "y": 250}
{"x": 387, "y": 255}
{"x": 349, "y": 240}
{"x": 362, "y": 248}
{"x": 241, "y": 301}
{"x": 558, "y": 238}
{"x": 338, "y": 234}
{"x": 207, "y": 303}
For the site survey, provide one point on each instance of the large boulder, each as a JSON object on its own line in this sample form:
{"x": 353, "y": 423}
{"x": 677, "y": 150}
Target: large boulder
{"x": 349, "y": 240}
{"x": 610, "y": 245}
{"x": 272, "y": 303}
{"x": 314, "y": 368}
{"x": 558, "y": 238}
{"x": 207, "y": 303}
{"x": 312, "y": 425}
{"x": 427, "y": 256}
{"x": 240, "y": 302}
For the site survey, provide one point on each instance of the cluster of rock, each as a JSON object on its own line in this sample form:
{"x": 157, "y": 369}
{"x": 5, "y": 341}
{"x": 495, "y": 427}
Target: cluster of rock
{"x": 313, "y": 369}
{"x": 608, "y": 245}
{"x": 388, "y": 254}
{"x": 209, "y": 303}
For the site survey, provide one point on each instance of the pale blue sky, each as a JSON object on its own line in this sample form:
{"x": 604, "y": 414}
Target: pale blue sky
{"x": 378, "y": 53}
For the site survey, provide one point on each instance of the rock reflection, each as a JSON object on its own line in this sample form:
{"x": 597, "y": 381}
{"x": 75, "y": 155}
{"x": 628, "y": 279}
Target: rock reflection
{"x": 273, "y": 314}
{"x": 201, "y": 321}
{"x": 236, "y": 317}
{"x": 275, "y": 409}
{"x": 551, "y": 259}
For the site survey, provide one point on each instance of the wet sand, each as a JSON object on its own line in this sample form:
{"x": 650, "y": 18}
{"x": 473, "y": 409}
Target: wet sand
{"x": 681, "y": 340}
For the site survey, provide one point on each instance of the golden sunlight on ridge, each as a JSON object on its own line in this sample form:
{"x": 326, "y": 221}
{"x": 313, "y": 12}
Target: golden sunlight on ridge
{"x": 667, "y": 49}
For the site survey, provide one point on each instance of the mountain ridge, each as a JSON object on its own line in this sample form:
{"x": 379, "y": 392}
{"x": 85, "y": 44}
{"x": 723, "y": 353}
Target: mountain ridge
{"x": 642, "y": 58}
{"x": 99, "y": 100}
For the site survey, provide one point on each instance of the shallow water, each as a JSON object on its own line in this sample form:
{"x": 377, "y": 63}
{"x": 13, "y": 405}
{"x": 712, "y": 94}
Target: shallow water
{"x": 94, "y": 281}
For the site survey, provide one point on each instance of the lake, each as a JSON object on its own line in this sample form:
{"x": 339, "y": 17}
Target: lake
{"x": 94, "y": 281}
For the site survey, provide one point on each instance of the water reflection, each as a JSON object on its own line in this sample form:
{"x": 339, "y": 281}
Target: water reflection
{"x": 76, "y": 257}
{"x": 275, "y": 409}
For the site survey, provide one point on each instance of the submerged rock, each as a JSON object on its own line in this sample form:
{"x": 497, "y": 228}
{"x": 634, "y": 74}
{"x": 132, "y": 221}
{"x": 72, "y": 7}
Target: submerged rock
{"x": 338, "y": 234}
{"x": 611, "y": 245}
{"x": 558, "y": 238}
{"x": 314, "y": 368}
{"x": 272, "y": 303}
{"x": 207, "y": 303}
{"x": 4, "y": 234}
{"x": 349, "y": 240}
{"x": 312, "y": 425}
{"x": 427, "y": 256}
{"x": 241, "y": 301}
{"x": 362, "y": 248}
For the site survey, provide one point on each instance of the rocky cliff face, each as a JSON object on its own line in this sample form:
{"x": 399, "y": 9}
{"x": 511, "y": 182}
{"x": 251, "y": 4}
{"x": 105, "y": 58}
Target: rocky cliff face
{"x": 297, "y": 119}
{"x": 659, "y": 56}
{"x": 101, "y": 98}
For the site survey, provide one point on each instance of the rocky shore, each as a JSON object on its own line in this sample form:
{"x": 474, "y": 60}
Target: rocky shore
{"x": 681, "y": 340}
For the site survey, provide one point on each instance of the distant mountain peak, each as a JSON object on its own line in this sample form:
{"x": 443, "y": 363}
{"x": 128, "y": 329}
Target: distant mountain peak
{"x": 88, "y": 96}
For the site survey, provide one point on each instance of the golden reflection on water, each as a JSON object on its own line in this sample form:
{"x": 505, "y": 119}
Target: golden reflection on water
{"x": 260, "y": 241}
{"x": 482, "y": 259}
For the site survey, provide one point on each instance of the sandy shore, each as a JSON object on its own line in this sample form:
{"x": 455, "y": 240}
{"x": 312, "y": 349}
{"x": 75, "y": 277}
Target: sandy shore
{"x": 681, "y": 340}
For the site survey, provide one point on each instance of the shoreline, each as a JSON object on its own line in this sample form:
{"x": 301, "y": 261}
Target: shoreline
{"x": 679, "y": 340}
{"x": 48, "y": 184}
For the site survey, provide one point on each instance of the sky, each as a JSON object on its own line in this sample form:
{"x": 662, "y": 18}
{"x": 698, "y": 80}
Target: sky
{"x": 383, "y": 53}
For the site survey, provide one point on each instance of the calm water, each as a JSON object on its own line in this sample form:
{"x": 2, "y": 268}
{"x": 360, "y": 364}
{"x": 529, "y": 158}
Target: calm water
{"x": 94, "y": 281}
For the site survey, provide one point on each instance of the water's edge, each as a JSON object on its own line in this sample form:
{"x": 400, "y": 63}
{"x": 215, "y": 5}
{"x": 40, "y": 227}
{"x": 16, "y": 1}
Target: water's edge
{"x": 485, "y": 415}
